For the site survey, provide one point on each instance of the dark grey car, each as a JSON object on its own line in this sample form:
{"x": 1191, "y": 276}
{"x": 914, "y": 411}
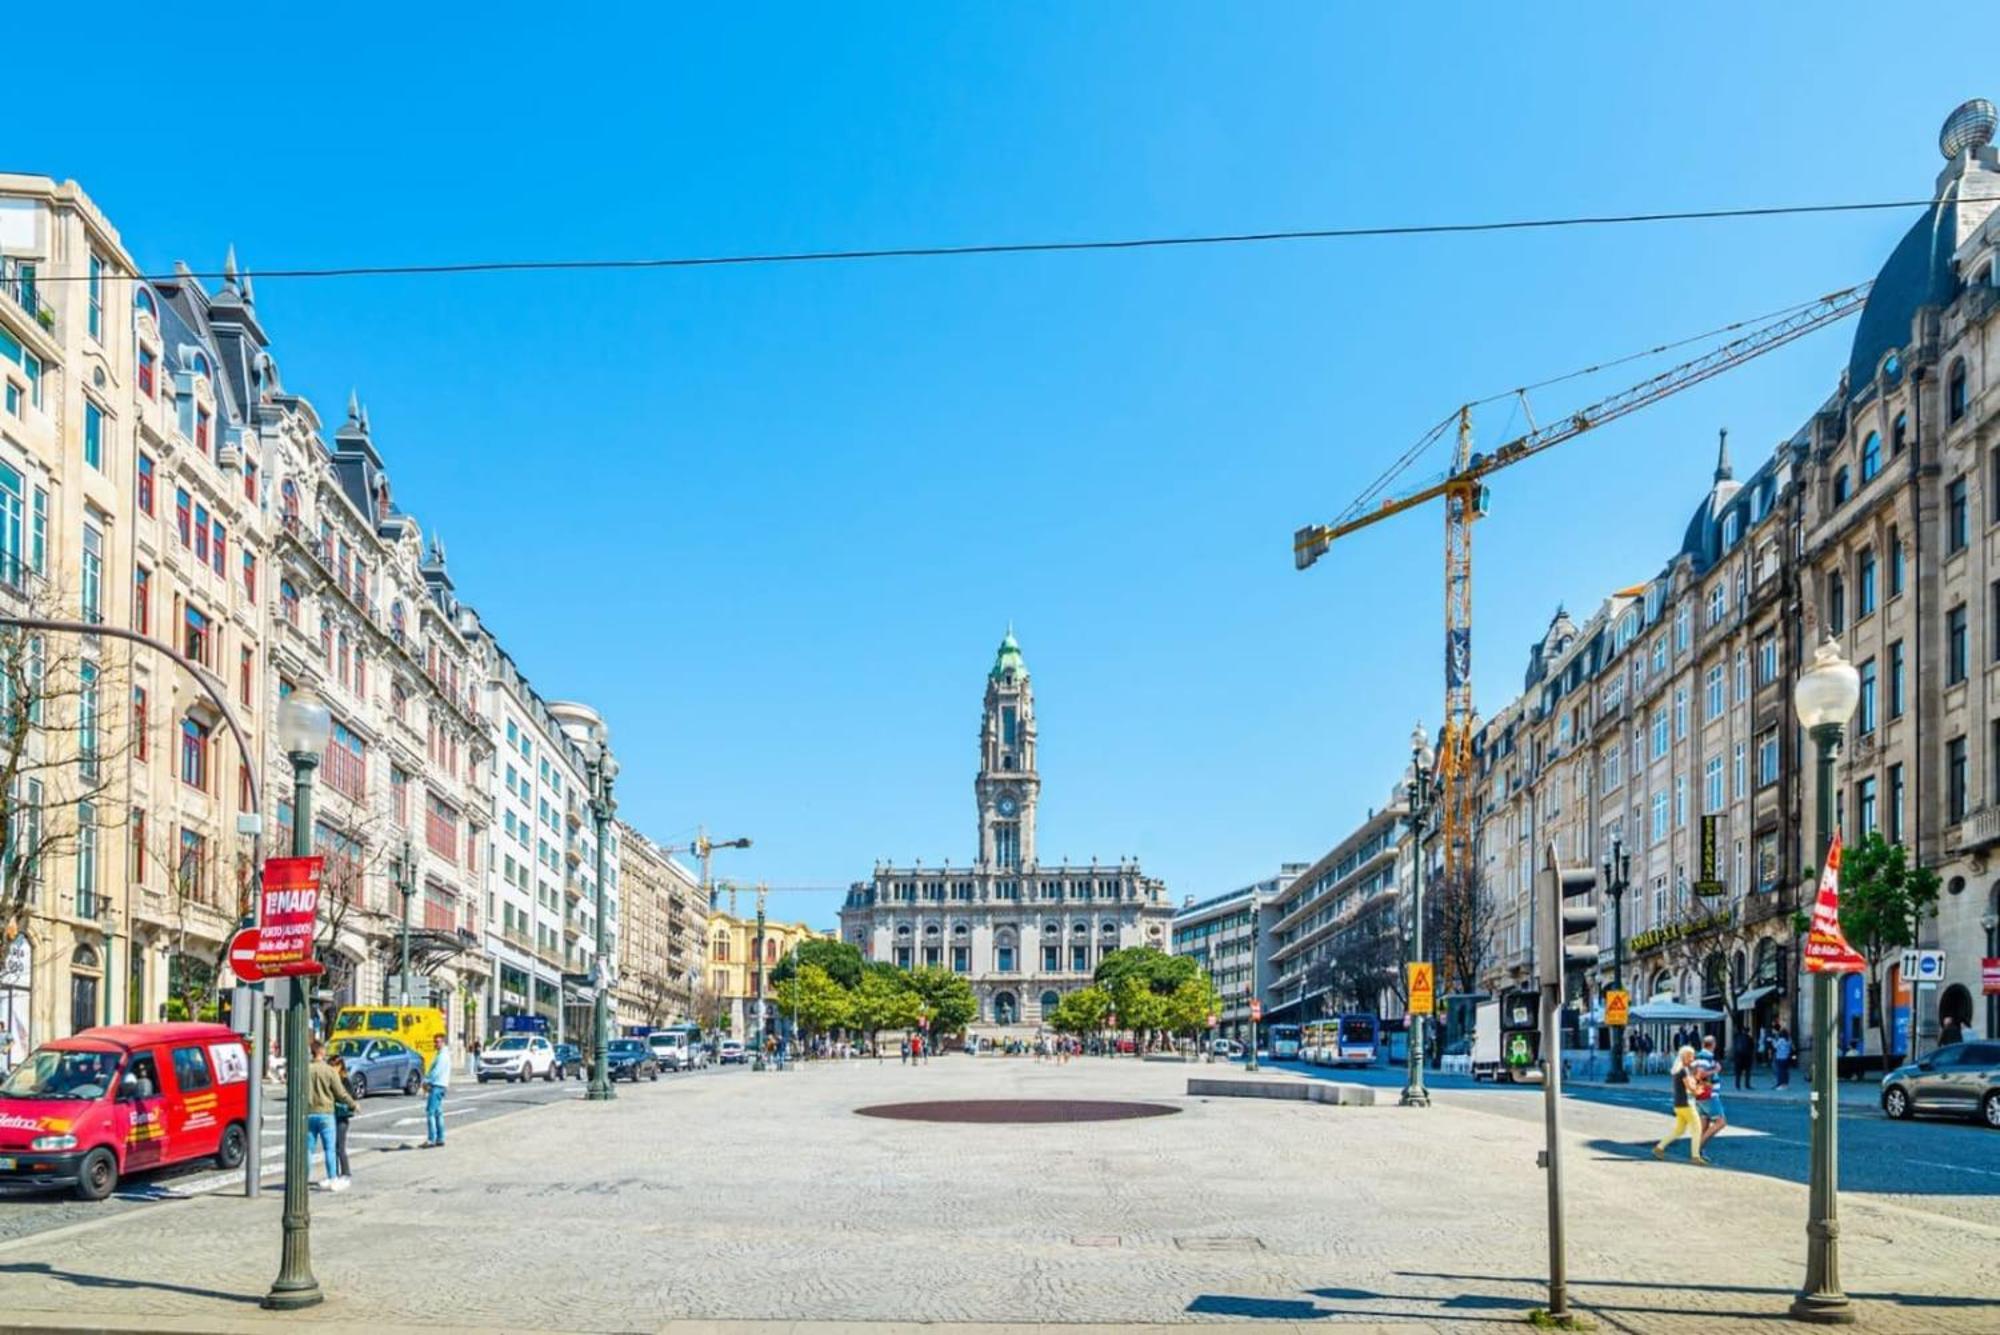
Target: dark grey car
{"x": 1958, "y": 1080}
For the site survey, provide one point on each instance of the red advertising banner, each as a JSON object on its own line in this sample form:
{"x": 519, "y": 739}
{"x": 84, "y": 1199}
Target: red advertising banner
{"x": 284, "y": 932}
{"x": 1827, "y": 950}
{"x": 1989, "y": 976}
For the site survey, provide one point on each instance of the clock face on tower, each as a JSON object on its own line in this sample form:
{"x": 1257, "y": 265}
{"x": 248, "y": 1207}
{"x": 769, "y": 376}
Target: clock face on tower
{"x": 1006, "y": 804}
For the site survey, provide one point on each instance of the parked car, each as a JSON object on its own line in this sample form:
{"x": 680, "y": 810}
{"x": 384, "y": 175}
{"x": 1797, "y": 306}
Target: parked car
{"x": 1958, "y": 1080}
{"x": 630, "y": 1059}
{"x": 518, "y": 1057}
{"x": 375, "y": 1065}
{"x": 569, "y": 1061}
{"x": 671, "y": 1049}
{"x": 730, "y": 1052}
{"x": 82, "y": 1111}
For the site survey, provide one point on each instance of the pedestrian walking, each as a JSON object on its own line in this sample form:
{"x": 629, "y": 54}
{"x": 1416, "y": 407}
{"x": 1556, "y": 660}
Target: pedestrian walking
{"x": 325, "y": 1091}
{"x": 1781, "y": 1058}
{"x": 343, "y": 1113}
{"x": 1951, "y": 1031}
{"x": 1707, "y": 1095}
{"x": 437, "y": 1079}
{"x": 1742, "y": 1057}
{"x": 1684, "y": 1114}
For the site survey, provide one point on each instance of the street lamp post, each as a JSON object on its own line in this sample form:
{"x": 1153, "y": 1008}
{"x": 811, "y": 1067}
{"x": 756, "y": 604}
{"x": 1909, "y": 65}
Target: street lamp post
{"x": 1617, "y": 879}
{"x": 1250, "y": 1061}
{"x": 1418, "y": 790}
{"x": 1825, "y": 697}
{"x": 406, "y": 882}
{"x": 603, "y": 768}
{"x": 303, "y": 726}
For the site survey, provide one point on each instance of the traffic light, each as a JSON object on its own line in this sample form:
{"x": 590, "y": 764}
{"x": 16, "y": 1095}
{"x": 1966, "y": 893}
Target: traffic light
{"x": 1564, "y": 912}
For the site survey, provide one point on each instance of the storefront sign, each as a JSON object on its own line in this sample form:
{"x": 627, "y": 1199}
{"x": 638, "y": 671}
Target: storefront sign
{"x": 1710, "y": 882}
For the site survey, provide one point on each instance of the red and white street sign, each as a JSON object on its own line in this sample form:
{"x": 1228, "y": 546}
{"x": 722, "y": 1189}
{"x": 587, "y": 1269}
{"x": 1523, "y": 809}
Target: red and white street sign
{"x": 1256, "y": 1010}
{"x": 281, "y": 945}
{"x": 1989, "y": 976}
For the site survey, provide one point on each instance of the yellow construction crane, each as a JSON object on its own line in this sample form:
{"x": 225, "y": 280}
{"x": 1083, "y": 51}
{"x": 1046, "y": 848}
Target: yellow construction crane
{"x": 1463, "y": 491}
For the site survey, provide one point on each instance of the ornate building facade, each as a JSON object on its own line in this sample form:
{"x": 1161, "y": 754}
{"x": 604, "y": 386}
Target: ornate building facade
{"x": 1021, "y": 932}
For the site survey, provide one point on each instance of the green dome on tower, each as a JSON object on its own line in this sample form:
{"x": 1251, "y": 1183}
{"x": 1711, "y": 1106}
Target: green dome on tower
{"x": 1008, "y": 662}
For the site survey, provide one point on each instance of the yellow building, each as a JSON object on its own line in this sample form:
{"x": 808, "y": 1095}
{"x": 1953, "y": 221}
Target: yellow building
{"x": 732, "y": 980}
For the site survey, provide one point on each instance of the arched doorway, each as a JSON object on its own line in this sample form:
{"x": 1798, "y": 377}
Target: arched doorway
{"x": 1050, "y": 1000}
{"x": 86, "y": 979}
{"x": 1955, "y": 1003}
{"x": 1006, "y": 1009}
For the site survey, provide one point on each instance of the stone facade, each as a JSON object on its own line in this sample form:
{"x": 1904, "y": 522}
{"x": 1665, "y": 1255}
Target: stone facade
{"x": 1021, "y": 932}
{"x": 662, "y": 933}
{"x": 1216, "y": 934}
{"x": 742, "y": 952}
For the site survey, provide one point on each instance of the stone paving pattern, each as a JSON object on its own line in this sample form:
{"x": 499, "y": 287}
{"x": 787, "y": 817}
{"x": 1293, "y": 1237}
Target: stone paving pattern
{"x": 761, "y": 1197}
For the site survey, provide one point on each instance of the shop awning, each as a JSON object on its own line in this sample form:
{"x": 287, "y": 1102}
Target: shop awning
{"x": 1747, "y": 1000}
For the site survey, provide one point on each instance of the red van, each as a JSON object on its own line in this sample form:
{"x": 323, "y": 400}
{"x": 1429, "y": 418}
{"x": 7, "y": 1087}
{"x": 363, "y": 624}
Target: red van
{"x": 82, "y": 1111}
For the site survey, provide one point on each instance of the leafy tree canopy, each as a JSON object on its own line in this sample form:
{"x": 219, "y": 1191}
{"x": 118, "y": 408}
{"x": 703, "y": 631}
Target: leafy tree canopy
{"x": 813, "y": 999}
{"x": 947, "y": 998}
{"x": 841, "y": 961}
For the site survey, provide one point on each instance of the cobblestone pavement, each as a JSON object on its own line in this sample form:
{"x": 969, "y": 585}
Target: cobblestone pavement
{"x": 764, "y": 1199}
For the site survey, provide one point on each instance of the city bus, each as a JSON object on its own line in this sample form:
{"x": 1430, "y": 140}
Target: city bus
{"x": 1345, "y": 1040}
{"x": 1284, "y": 1041}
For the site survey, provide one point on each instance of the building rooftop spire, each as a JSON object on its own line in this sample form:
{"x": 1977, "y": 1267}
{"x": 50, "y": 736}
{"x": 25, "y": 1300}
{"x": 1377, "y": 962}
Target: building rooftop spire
{"x": 1008, "y": 662}
{"x": 1723, "y": 472}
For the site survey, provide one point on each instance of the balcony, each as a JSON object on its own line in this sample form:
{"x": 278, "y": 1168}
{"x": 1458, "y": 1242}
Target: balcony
{"x": 17, "y": 284}
{"x": 1980, "y": 829}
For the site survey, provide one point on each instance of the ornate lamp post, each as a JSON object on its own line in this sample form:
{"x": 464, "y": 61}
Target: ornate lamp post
{"x": 1617, "y": 880}
{"x": 1250, "y": 1058}
{"x": 304, "y": 724}
{"x": 1417, "y": 791}
{"x": 587, "y": 731}
{"x": 406, "y": 882}
{"x": 1825, "y": 697}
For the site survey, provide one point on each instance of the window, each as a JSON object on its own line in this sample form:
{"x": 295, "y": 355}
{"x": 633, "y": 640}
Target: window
{"x": 1079, "y": 959}
{"x": 1767, "y": 660}
{"x": 88, "y": 764}
{"x": 1659, "y": 733}
{"x": 1680, "y": 712}
{"x": 145, "y": 484}
{"x": 1864, "y": 806}
{"x": 1865, "y": 717}
{"x": 1715, "y": 794}
{"x": 1955, "y": 794}
{"x": 1871, "y": 457}
{"x": 196, "y": 635}
{"x": 183, "y": 511}
{"x": 1956, "y": 398}
{"x": 1864, "y": 583}
{"x": 1051, "y": 959}
{"x": 1717, "y": 692}
{"x": 1895, "y": 804}
{"x": 218, "y": 562}
{"x": 1836, "y": 603}
{"x": 1742, "y": 675}
{"x": 1842, "y": 489}
{"x": 147, "y": 363}
{"x": 194, "y": 754}
{"x": 1718, "y": 602}
{"x": 250, "y": 480}
{"x": 141, "y": 731}
{"x": 94, "y": 290}
{"x": 201, "y": 419}
{"x": 1896, "y": 680}
{"x": 93, "y": 435}
{"x": 1899, "y": 434}
{"x": 1767, "y": 758}
{"x": 1955, "y": 534}
{"x": 1683, "y": 628}
{"x": 1740, "y": 770}
{"x": 93, "y": 569}
{"x": 250, "y": 574}
{"x": 86, "y": 859}
{"x": 192, "y": 871}
{"x": 31, "y": 366}
{"x": 1955, "y": 645}
{"x": 1895, "y": 563}
{"x": 201, "y": 533}
{"x": 247, "y": 670}
{"x": 191, "y": 1070}
{"x": 1680, "y": 801}
{"x": 288, "y": 601}
{"x": 961, "y": 959}
{"x": 1614, "y": 756}
{"x": 1660, "y": 654}
{"x": 38, "y": 534}
{"x": 138, "y": 829}
{"x": 1003, "y": 959}
{"x": 1659, "y": 817}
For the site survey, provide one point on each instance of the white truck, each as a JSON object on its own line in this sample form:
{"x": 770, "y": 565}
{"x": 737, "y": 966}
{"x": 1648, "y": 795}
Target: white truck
{"x": 1486, "y": 1063}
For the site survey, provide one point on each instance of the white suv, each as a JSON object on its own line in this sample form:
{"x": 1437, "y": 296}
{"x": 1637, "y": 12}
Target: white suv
{"x": 518, "y": 1057}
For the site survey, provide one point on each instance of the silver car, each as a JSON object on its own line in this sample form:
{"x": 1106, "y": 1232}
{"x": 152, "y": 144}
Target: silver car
{"x": 1959, "y": 1079}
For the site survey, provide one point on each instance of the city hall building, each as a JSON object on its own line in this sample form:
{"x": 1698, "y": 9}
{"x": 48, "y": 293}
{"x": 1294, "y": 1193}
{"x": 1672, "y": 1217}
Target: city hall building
{"x": 1022, "y": 932}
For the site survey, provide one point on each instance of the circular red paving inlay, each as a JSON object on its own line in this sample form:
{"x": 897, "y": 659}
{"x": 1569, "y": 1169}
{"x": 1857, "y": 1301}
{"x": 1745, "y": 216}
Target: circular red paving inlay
{"x": 1017, "y": 1110}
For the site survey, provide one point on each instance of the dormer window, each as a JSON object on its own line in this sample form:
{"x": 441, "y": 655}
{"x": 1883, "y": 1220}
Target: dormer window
{"x": 1732, "y": 529}
{"x": 1892, "y": 370}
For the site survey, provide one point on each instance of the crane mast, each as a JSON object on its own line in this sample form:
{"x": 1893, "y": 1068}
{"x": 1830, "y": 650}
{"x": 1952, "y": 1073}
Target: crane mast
{"x": 1463, "y": 491}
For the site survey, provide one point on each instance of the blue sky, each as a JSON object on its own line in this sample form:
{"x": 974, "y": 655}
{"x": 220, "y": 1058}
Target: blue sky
{"x": 772, "y": 522}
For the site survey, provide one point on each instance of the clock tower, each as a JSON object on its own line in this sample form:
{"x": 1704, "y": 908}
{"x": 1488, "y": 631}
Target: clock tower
{"x": 1007, "y": 784}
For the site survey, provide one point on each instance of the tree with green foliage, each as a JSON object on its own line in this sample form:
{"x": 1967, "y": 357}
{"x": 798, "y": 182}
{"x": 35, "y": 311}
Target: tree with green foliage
{"x": 881, "y": 1001}
{"x": 814, "y": 1001}
{"x": 1188, "y": 1006}
{"x": 1082, "y": 1011}
{"x": 841, "y": 961}
{"x": 1882, "y": 900}
{"x": 947, "y": 999}
{"x": 1142, "y": 980}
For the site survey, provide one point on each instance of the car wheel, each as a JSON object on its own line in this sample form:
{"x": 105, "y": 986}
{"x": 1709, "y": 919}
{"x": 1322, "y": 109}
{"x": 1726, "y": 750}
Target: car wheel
{"x": 482, "y": 1079}
{"x": 410, "y": 1085}
{"x": 230, "y": 1153}
{"x": 1896, "y": 1102}
{"x": 1989, "y": 1108}
{"x": 97, "y": 1176}
{"x": 656, "y": 1077}
{"x": 549, "y": 1076}
{"x": 359, "y": 1084}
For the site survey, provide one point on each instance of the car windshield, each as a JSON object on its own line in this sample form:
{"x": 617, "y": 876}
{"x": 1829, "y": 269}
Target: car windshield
{"x": 50, "y": 1074}
{"x": 509, "y": 1045}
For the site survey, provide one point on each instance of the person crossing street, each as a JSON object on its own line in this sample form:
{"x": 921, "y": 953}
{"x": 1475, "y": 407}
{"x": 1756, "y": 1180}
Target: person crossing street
{"x": 437, "y": 1079}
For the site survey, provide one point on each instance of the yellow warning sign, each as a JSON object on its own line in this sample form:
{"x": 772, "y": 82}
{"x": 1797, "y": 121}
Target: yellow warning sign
{"x": 1423, "y": 996}
{"x": 1615, "y": 1004}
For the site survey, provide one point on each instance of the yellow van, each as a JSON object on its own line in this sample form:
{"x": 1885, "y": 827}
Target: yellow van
{"x": 416, "y": 1026}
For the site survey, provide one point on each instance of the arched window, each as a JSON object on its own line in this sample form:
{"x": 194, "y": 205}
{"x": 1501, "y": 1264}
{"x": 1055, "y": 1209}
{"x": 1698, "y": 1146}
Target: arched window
{"x": 200, "y": 365}
{"x": 1955, "y": 396}
{"x": 142, "y": 299}
{"x": 85, "y": 957}
{"x": 1871, "y": 456}
{"x": 722, "y": 949}
{"x": 770, "y": 952}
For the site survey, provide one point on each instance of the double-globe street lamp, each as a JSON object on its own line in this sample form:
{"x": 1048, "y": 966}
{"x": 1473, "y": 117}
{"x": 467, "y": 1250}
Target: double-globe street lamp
{"x": 304, "y": 724}
{"x": 1417, "y": 791}
{"x": 1617, "y": 880}
{"x": 1825, "y": 696}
